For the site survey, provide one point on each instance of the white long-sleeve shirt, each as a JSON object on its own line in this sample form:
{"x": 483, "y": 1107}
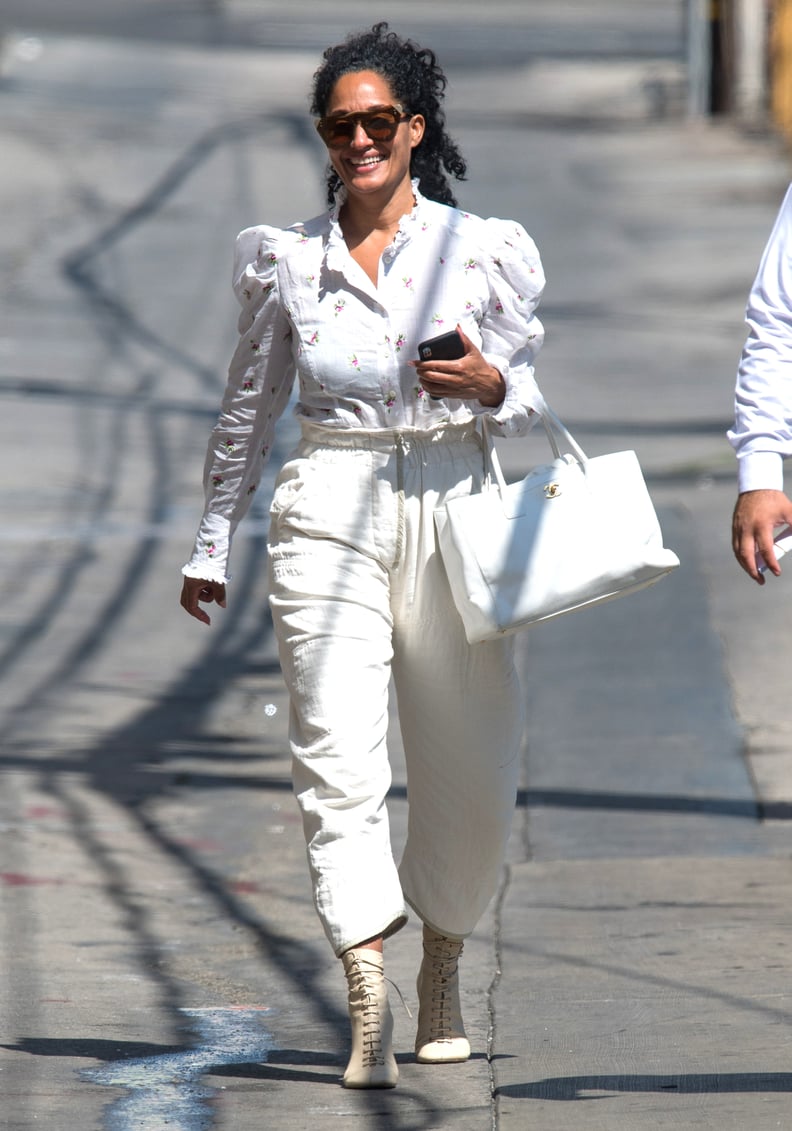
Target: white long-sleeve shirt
{"x": 762, "y": 432}
{"x": 310, "y": 312}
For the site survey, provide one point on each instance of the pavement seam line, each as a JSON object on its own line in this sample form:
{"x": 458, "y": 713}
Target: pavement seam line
{"x": 500, "y": 900}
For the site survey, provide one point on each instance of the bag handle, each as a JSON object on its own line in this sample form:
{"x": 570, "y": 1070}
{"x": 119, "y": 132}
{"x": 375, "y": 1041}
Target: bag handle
{"x": 558, "y": 435}
{"x": 555, "y": 429}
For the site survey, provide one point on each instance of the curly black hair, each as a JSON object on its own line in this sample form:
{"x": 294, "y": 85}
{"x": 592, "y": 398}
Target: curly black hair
{"x": 417, "y": 82}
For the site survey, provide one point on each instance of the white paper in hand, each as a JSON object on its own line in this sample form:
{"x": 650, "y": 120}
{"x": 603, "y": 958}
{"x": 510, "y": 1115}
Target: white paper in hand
{"x": 782, "y": 541}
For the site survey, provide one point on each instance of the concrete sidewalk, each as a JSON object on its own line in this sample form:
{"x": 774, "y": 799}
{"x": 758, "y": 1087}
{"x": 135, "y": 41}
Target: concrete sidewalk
{"x": 165, "y": 965}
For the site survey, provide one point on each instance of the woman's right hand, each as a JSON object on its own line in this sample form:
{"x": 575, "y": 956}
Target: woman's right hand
{"x": 195, "y": 589}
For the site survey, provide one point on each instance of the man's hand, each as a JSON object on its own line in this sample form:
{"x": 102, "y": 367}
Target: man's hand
{"x": 757, "y": 515}
{"x": 194, "y": 590}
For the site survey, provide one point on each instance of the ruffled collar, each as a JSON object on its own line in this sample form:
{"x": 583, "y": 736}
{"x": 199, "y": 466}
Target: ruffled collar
{"x": 407, "y": 224}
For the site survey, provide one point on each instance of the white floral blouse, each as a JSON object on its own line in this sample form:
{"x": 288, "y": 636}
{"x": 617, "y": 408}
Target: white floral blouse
{"x": 310, "y": 311}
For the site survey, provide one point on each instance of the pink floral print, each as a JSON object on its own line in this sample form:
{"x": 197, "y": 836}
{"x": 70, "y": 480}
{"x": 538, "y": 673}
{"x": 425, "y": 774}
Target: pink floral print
{"x": 349, "y": 350}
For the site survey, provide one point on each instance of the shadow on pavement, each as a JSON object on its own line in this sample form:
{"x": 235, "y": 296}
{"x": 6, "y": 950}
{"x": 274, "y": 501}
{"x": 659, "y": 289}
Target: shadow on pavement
{"x": 577, "y": 1087}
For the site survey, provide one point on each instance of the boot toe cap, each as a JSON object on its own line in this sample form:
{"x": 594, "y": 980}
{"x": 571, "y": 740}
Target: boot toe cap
{"x": 446, "y": 1050}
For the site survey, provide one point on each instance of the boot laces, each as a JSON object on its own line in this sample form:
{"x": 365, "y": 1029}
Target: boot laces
{"x": 444, "y": 963}
{"x": 363, "y": 978}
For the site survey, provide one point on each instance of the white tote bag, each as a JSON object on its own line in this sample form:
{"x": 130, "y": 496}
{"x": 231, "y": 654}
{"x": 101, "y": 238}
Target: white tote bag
{"x": 575, "y": 532}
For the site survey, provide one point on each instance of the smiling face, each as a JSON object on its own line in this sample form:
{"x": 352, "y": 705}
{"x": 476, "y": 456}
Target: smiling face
{"x": 369, "y": 168}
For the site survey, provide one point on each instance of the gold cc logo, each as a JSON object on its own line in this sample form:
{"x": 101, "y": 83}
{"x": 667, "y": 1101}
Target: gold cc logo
{"x": 552, "y": 490}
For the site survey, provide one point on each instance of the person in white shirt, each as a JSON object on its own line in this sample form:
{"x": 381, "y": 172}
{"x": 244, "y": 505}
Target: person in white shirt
{"x": 762, "y": 432}
{"x": 339, "y": 304}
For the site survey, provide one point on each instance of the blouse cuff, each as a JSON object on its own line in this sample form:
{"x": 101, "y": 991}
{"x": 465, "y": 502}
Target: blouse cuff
{"x": 205, "y": 572}
{"x": 515, "y": 415}
{"x": 760, "y": 471}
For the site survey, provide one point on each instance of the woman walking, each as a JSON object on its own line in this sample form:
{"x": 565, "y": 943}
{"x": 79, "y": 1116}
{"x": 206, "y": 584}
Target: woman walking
{"x": 357, "y": 588}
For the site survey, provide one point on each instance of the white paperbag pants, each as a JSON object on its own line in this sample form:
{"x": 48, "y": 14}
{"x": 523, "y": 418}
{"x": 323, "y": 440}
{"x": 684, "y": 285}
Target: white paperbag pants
{"x": 358, "y": 591}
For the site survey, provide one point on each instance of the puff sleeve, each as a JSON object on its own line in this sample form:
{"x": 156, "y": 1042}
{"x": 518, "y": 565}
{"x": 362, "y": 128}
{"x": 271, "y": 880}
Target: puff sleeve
{"x": 260, "y": 378}
{"x": 511, "y": 333}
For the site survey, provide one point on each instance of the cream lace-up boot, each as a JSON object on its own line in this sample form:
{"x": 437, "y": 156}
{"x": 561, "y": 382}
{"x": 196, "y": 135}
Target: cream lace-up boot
{"x": 371, "y": 1062}
{"x": 441, "y": 1035}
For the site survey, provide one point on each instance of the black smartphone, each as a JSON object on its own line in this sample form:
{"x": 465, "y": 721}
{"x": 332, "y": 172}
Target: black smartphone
{"x": 445, "y": 347}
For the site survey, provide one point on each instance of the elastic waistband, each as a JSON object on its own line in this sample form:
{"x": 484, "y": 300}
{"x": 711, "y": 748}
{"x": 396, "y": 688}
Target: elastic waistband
{"x": 388, "y": 439}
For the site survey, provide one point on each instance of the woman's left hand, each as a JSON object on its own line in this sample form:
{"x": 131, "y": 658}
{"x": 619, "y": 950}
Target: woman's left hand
{"x": 470, "y": 378}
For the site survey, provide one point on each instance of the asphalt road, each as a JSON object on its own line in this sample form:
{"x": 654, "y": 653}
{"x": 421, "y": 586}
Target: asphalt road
{"x": 164, "y": 964}
{"x": 468, "y": 33}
